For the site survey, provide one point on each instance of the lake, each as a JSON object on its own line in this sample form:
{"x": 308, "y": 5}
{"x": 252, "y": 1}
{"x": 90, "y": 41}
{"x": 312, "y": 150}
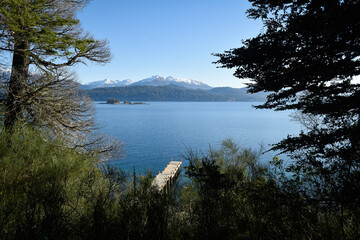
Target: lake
{"x": 157, "y": 131}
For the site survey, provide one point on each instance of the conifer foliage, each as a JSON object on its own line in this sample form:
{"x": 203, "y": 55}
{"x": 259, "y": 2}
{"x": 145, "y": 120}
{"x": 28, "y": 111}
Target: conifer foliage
{"x": 308, "y": 55}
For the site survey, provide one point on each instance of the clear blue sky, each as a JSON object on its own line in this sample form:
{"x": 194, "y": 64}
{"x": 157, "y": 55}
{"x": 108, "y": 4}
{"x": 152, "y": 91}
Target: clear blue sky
{"x": 166, "y": 38}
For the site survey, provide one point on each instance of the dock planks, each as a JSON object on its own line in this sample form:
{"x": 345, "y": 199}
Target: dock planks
{"x": 165, "y": 179}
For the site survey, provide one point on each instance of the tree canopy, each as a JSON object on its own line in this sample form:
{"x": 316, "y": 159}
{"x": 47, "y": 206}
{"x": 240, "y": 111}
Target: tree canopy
{"x": 43, "y": 38}
{"x": 308, "y": 56}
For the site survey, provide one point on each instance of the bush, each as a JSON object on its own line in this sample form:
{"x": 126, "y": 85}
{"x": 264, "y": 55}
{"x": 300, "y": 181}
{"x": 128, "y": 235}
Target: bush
{"x": 232, "y": 196}
{"x": 50, "y": 192}
{"x": 47, "y": 192}
{"x": 43, "y": 187}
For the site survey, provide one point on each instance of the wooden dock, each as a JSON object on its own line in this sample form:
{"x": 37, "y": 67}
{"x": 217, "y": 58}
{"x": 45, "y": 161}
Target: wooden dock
{"x": 165, "y": 179}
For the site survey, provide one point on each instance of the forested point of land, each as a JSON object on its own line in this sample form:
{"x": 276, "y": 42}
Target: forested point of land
{"x": 55, "y": 182}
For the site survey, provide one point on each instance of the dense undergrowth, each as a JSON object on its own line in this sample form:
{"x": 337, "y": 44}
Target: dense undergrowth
{"x": 49, "y": 192}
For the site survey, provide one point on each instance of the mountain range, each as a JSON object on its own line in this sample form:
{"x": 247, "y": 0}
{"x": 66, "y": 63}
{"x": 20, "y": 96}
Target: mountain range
{"x": 157, "y": 88}
{"x": 154, "y": 81}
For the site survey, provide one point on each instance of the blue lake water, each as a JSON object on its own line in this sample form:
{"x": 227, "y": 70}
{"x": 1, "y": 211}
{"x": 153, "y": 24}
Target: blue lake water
{"x": 157, "y": 131}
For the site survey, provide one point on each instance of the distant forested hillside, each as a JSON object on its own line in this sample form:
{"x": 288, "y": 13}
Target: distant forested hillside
{"x": 170, "y": 93}
{"x": 239, "y": 94}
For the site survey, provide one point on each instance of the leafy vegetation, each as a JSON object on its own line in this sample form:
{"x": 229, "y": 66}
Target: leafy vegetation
{"x": 44, "y": 36}
{"x": 47, "y": 192}
{"x": 308, "y": 55}
{"x": 233, "y": 196}
{"x": 50, "y": 188}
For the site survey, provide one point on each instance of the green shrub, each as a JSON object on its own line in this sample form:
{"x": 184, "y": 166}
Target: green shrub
{"x": 232, "y": 196}
{"x": 51, "y": 192}
{"x": 43, "y": 187}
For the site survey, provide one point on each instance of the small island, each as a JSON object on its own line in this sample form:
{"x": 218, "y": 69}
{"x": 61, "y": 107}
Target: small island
{"x": 129, "y": 103}
{"x": 112, "y": 101}
{"x": 115, "y": 101}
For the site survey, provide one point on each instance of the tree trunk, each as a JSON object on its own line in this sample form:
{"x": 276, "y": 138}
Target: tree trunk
{"x": 17, "y": 84}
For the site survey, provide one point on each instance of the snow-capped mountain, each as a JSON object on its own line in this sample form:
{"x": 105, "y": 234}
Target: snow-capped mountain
{"x": 154, "y": 81}
{"x": 181, "y": 82}
{"x": 107, "y": 83}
